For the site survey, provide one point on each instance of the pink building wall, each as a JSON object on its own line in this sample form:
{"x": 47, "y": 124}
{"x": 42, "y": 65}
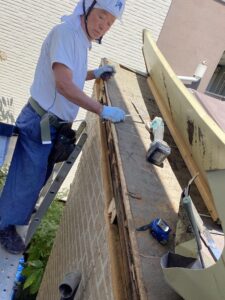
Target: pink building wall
{"x": 194, "y": 30}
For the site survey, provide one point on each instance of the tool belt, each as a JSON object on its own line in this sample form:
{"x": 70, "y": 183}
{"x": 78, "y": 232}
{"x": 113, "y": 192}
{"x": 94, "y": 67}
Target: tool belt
{"x": 47, "y": 119}
{"x": 66, "y": 136}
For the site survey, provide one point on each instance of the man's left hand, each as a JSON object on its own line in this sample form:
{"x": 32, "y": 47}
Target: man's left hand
{"x": 105, "y": 72}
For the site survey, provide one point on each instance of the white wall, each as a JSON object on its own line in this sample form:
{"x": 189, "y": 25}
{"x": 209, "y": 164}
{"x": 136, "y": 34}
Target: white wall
{"x": 25, "y": 23}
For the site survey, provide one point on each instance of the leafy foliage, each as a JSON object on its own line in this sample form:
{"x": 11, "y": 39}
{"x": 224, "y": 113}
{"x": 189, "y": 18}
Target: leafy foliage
{"x": 33, "y": 272}
{"x": 40, "y": 247}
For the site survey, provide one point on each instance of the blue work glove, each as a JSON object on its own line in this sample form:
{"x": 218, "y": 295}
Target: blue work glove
{"x": 114, "y": 114}
{"x": 104, "y": 72}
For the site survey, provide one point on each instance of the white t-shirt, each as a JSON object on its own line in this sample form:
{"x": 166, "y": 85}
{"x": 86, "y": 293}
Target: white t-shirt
{"x": 68, "y": 46}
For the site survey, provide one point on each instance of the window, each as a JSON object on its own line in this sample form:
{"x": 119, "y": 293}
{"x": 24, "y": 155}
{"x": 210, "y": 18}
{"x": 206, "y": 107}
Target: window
{"x": 216, "y": 85}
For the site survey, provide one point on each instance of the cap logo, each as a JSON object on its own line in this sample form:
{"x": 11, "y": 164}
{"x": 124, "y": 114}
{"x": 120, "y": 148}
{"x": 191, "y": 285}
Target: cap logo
{"x": 119, "y": 4}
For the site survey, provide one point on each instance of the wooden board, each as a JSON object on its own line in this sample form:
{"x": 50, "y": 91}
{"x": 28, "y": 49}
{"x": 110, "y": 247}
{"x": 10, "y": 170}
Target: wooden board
{"x": 147, "y": 191}
{"x": 199, "y": 139}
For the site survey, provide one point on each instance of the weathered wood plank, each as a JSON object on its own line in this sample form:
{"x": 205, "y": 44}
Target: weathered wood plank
{"x": 147, "y": 191}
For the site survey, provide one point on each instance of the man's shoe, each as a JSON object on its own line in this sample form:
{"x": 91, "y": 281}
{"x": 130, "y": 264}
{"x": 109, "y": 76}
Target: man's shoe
{"x": 11, "y": 241}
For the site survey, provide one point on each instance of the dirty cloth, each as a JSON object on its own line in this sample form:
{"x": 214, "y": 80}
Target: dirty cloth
{"x": 28, "y": 171}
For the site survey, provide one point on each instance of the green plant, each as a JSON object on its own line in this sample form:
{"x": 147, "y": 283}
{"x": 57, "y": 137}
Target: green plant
{"x": 33, "y": 272}
{"x": 40, "y": 247}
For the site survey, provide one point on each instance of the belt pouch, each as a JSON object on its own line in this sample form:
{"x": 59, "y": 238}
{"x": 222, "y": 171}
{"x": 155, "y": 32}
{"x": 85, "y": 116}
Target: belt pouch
{"x": 64, "y": 144}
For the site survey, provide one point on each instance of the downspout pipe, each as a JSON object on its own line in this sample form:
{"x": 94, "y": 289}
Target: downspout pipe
{"x": 198, "y": 75}
{"x": 189, "y": 78}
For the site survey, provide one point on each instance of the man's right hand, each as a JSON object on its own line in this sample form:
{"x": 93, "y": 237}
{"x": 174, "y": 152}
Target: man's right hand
{"x": 114, "y": 114}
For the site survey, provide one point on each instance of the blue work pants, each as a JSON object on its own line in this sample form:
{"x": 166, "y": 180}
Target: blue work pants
{"x": 28, "y": 170}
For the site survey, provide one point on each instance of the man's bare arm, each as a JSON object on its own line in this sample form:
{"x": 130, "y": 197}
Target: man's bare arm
{"x": 66, "y": 87}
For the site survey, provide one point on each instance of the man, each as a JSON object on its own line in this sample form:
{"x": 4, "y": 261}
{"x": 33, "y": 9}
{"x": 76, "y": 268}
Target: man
{"x": 56, "y": 93}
